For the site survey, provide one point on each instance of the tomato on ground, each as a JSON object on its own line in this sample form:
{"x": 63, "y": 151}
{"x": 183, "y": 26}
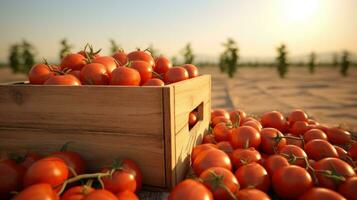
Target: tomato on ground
{"x": 321, "y": 194}
{"x": 275, "y": 162}
{"x": 244, "y": 137}
{"x": 314, "y": 134}
{"x": 190, "y": 190}
{"x": 11, "y": 175}
{"x": 289, "y": 151}
{"x": 273, "y": 119}
{"x": 251, "y": 194}
{"x": 242, "y": 157}
{"x": 77, "y": 192}
{"x": 270, "y": 143}
{"x": 100, "y": 194}
{"x": 318, "y": 149}
{"x": 211, "y": 158}
{"x": 338, "y": 136}
{"x": 348, "y": 188}
{"x": 127, "y": 195}
{"x": 253, "y": 175}
{"x": 37, "y": 192}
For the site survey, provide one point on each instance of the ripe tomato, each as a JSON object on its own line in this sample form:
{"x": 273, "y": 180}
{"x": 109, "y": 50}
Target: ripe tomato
{"x": 144, "y": 69}
{"x": 348, "y": 188}
{"x": 291, "y": 150}
{"x": 268, "y": 144}
{"x": 192, "y": 119}
{"x": 100, "y": 194}
{"x": 36, "y": 192}
{"x": 299, "y": 128}
{"x": 190, "y": 190}
{"x": 11, "y": 175}
{"x": 251, "y": 194}
{"x": 246, "y": 119}
{"x": 162, "y": 65}
{"x": 120, "y": 57}
{"x": 291, "y": 181}
{"x": 39, "y": 73}
{"x": 66, "y": 79}
{"x": 275, "y": 162}
{"x": 295, "y": 142}
{"x": 254, "y": 124}
{"x": 76, "y": 73}
{"x": 73, "y": 61}
{"x": 73, "y": 160}
{"x": 218, "y": 180}
{"x": 132, "y": 167}
{"x": 318, "y": 149}
{"x": 108, "y": 62}
{"x": 242, "y": 157}
{"x": 321, "y": 194}
{"x": 314, "y": 134}
{"x": 127, "y": 195}
{"x": 220, "y": 119}
{"x": 342, "y": 153}
{"x": 244, "y": 137}
{"x": 353, "y": 151}
{"x": 253, "y": 175}
{"x": 125, "y": 76}
{"x": 226, "y": 147}
{"x": 77, "y": 192}
{"x": 176, "y": 74}
{"x": 273, "y": 119}
{"x": 94, "y": 74}
{"x": 211, "y": 158}
{"x": 26, "y": 160}
{"x": 297, "y": 115}
{"x": 237, "y": 116}
{"x": 154, "y": 82}
{"x": 219, "y": 112}
{"x": 51, "y": 170}
{"x": 333, "y": 165}
{"x": 121, "y": 180}
{"x": 141, "y": 56}
{"x": 222, "y": 131}
{"x": 209, "y": 138}
{"x": 321, "y": 127}
{"x": 200, "y": 148}
{"x": 191, "y": 69}
{"x": 338, "y": 136}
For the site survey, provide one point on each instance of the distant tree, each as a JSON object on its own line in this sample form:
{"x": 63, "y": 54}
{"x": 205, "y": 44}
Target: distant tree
{"x": 312, "y": 62}
{"x": 65, "y": 48}
{"x": 345, "y": 63}
{"x": 174, "y": 61}
{"x": 335, "y": 60}
{"x": 15, "y": 58}
{"x": 228, "y": 61}
{"x": 28, "y": 56}
{"x": 282, "y": 63}
{"x": 114, "y": 46}
{"x": 187, "y": 54}
{"x": 154, "y": 52}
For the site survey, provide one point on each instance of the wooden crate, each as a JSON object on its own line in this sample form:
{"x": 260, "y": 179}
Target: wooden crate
{"x": 146, "y": 124}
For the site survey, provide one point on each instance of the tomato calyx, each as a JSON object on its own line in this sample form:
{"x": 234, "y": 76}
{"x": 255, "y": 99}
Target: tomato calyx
{"x": 90, "y": 53}
{"x": 217, "y": 181}
{"x": 278, "y": 138}
{"x": 236, "y": 123}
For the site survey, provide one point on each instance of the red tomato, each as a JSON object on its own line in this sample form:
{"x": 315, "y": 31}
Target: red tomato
{"x": 192, "y": 119}
{"x": 314, "y": 134}
{"x": 237, "y": 116}
{"x": 297, "y": 115}
{"x": 125, "y": 76}
{"x": 162, "y": 65}
{"x": 77, "y": 192}
{"x": 144, "y": 69}
{"x": 220, "y": 119}
{"x": 291, "y": 181}
{"x": 154, "y": 82}
{"x": 252, "y": 194}
{"x": 226, "y": 147}
{"x": 191, "y": 69}
{"x": 176, "y": 74}
{"x": 291, "y": 150}
{"x": 73, "y": 160}
{"x": 132, "y": 167}
{"x": 51, "y": 170}
{"x": 100, "y": 194}
{"x": 218, "y": 180}
{"x": 127, "y": 195}
{"x": 342, "y": 153}
{"x": 222, "y": 131}
{"x": 244, "y": 137}
{"x": 321, "y": 127}
{"x": 353, "y": 151}
{"x": 190, "y": 190}
{"x": 333, "y": 165}
{"x": 318, "y": 149}
{"x": 297, "y": 142}
{"x": 121, "y": 180}
{"x": 211, "y": 158}
{"x": 66, "y": 79}
{"x": 321, "y": 194}
{"x": 141, "y": 56}
{"x": 275, "y": 162}
{"x": 121, "y": 57}
{"x": 312, "y": 122}
{"x": 299, "y": 128}
{"x": 200, "y": 148}
{"x": 94, "y": 74}
{"x": 28, "y": 159}
{"x": 273, "y": 119}
{"x": 268, "y": 144}
{"x": 39, "y": 73}
{"x": 108, "y": 62}
{"x": 73, "y": 61}
{"x": 254, "y": 124}
{"x": 37, "y": 192}
{"x": 348, "y": 188}
{"x": 242, "y": 157}
{"x": 246, "y": 119}
{"x": 76, "y": 73}
{"x": 11, "y": 175}
{"x": 219, "y": 112}
{"x": 209, "y": 138}
{"x": 338, "y": 136}
{"x": 253, "y": 175}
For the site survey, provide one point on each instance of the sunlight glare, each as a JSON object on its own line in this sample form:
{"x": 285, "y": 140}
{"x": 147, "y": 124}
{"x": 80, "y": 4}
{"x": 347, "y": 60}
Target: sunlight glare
{"x": 300, "y": 10}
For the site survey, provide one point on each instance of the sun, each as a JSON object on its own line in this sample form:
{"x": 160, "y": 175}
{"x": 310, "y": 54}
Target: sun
{"x": 300, "y": 10}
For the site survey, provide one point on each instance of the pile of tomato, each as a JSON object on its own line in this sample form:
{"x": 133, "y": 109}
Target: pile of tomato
{"x": 62, "y": 175}
{"x": 271, "y": 157}
{"x": 87, "y": 67}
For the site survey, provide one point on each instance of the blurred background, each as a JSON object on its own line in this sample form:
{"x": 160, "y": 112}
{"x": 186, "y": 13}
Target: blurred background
{"x": 263, "y": 55}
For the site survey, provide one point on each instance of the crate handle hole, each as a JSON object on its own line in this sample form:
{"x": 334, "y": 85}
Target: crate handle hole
{"x": 196, "y": 116}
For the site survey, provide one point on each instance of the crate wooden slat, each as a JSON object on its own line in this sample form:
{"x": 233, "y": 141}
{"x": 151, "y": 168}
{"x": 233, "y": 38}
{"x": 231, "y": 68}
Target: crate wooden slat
{"x": 146, "y": 124}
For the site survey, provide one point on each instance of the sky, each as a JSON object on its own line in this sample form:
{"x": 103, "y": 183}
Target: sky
{"x": 258, "y": 26}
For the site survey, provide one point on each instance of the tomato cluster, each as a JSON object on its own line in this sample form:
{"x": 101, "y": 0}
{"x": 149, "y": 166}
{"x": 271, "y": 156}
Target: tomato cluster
{"x": 87, "y": 67}
{"x": 271, "y": 157}
{"x": 62, "y": 175}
